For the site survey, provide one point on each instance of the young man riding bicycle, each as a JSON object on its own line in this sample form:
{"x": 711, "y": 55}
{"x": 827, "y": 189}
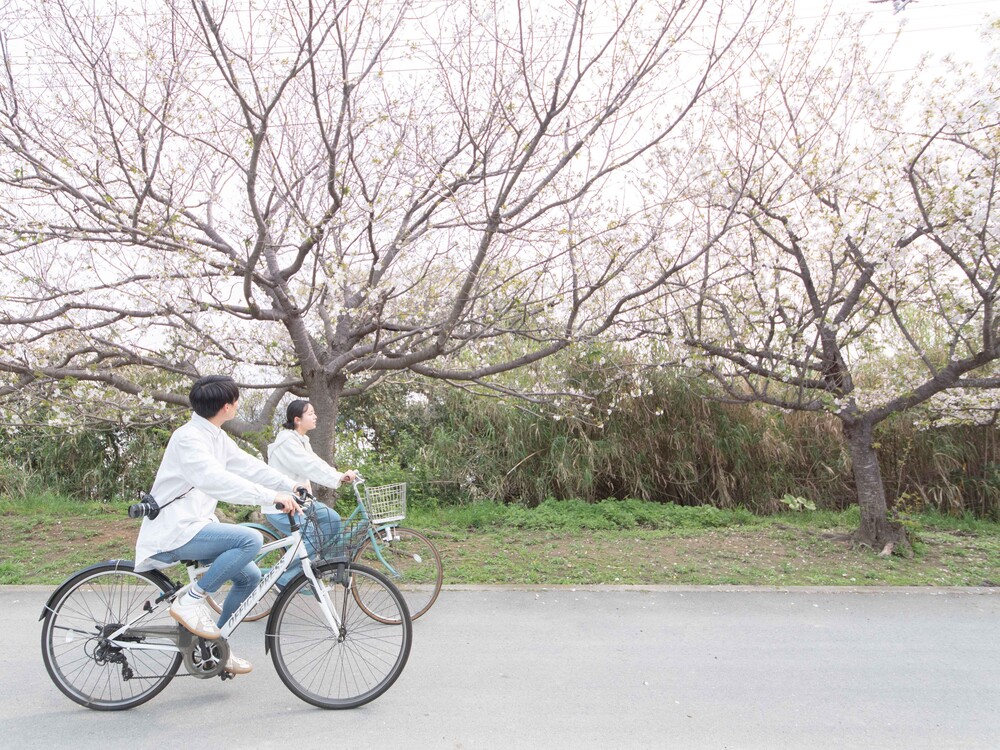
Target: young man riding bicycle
{"x": 201, "y": 466}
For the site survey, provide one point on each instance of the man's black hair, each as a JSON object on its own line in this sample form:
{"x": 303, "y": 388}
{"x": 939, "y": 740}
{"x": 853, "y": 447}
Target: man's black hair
{"x": 210, "y": 393}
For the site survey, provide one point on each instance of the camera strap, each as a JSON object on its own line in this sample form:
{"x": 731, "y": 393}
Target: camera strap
{"x": 170, "y": 502}
{"x": 178, "y": 497}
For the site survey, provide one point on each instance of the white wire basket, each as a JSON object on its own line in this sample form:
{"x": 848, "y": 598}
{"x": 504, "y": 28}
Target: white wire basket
{"x": 386, "y": 503}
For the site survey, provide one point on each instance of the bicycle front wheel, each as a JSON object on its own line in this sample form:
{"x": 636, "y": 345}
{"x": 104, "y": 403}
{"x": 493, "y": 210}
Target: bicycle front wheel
{"x": 87, "y": 668}
{"x": 410, "y": 561}
{"x": 342, "y": 668}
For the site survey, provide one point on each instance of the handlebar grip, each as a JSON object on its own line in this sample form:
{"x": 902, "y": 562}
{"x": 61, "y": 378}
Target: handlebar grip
{"x": 293, "y": 524}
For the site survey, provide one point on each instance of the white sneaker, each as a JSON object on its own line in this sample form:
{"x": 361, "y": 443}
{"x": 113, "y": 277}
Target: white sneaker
{"x": 196, "y": 617}
{"x": 236, "y": 665}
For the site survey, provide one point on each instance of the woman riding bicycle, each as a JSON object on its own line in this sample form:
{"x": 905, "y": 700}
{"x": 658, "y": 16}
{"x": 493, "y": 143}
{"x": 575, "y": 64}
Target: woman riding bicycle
{"x": 201, "y": 466}
{"x": 291, "y": 453}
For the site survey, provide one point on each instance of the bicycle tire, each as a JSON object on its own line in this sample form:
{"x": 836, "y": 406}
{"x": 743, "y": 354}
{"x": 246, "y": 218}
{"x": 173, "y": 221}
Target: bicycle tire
{"x": 262, "y": 608}
{"x": 417, "y": 563}
{"x": 346, "y": 669}
{"x": 96, "y": 601}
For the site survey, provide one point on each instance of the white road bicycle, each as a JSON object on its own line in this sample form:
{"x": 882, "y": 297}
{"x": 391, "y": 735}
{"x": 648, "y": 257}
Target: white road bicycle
{"x": 339, "y": 634}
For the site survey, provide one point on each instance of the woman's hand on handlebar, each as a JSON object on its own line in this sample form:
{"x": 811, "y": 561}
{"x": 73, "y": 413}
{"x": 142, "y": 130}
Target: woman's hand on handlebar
{"x": 350, "y": 477}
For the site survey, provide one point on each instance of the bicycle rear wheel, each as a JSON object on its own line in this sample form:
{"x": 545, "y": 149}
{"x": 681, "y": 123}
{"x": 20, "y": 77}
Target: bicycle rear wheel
{"x": 345, "y": 668}
{"x": 87, "y": 669}
{"x": 416, "y": 568}
{"x": 264, "y": 561}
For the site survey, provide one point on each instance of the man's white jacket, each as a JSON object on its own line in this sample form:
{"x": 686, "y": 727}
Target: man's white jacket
{"x": 201, "y": 466}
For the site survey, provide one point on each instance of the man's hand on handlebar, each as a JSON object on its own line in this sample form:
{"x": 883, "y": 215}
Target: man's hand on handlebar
{"x": 286, "y": 503}
{"x": 350, "y": 477}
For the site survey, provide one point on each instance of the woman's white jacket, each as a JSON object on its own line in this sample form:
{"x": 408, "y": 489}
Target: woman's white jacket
{"x": 292, "y": 455}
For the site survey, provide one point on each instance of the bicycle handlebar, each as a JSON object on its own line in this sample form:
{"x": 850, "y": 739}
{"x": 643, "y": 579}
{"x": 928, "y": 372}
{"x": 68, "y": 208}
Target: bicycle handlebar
{"x": 304, "y": 496}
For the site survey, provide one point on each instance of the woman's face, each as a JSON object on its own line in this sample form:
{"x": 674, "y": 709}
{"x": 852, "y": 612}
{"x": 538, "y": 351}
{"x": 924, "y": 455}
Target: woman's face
{"x": 307, "y": 421}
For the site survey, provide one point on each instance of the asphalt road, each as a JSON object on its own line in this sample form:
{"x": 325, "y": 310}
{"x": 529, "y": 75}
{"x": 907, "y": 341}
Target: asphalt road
{"x": 586, "y": 668}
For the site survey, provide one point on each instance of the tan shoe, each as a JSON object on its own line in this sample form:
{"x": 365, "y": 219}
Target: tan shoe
{"x": 196, "y": 617}
{"x": 236, "y": 665}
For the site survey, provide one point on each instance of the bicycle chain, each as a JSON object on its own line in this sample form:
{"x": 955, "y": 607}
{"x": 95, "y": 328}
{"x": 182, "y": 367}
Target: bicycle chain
{"x": 128, "y": 674}
{"x": 224, "y": 675}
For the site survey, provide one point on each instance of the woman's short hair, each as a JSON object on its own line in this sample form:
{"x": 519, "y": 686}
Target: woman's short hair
{"x": 210, "y": 393}
{"x": 295, "y": 409}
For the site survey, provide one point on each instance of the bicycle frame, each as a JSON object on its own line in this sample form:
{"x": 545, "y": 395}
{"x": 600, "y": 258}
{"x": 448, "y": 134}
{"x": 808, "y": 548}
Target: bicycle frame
{"x": 295, "y": 549}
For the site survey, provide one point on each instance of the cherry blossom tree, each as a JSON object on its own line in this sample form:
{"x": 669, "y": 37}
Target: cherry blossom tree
{"x": 863, "y": 277}
{"x": 321, "y": 194}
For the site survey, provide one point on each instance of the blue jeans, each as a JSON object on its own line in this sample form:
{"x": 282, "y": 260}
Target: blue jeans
{"x": 231, "y": 550}
{"x": 329, "y": 529}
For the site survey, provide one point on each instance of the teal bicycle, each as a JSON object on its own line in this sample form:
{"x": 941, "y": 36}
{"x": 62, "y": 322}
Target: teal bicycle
{"x": 405, "y": 556}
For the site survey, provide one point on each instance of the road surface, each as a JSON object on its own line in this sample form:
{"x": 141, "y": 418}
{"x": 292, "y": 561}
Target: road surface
{"x": 656, "y": 667}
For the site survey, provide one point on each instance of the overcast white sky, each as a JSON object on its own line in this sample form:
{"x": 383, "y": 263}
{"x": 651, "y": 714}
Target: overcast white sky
{"x": 938, "y": 27}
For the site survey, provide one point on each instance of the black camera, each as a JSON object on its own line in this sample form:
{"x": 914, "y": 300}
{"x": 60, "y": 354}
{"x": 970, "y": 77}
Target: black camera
{"x": 147, "y": 507}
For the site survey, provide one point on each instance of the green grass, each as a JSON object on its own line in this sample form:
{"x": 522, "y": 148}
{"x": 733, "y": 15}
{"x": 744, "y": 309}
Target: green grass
{"x": 574, "y": 543}
{"x": 576, "y": 515}
{"x": 56, "y": 506}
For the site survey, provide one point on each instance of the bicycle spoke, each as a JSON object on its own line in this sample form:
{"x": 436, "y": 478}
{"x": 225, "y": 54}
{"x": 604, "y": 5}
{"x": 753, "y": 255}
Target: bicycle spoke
{"x": 412, "y": 563}
{"x": 353, "y": 665}
{"x": 88, "y": 668}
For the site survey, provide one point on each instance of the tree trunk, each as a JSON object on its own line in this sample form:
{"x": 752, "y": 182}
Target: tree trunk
{"x": 324, "y": 395}
{"x": 876, "y": 530}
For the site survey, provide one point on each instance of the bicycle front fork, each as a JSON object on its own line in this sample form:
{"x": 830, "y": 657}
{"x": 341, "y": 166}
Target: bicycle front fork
{"x": 322, "y": 593}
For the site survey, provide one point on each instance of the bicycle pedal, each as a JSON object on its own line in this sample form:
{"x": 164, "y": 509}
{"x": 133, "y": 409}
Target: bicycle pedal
{"x": 224, "y": 675}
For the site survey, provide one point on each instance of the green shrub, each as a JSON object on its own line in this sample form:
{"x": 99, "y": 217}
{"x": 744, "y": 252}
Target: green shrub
{"x": 96, "y": 463}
